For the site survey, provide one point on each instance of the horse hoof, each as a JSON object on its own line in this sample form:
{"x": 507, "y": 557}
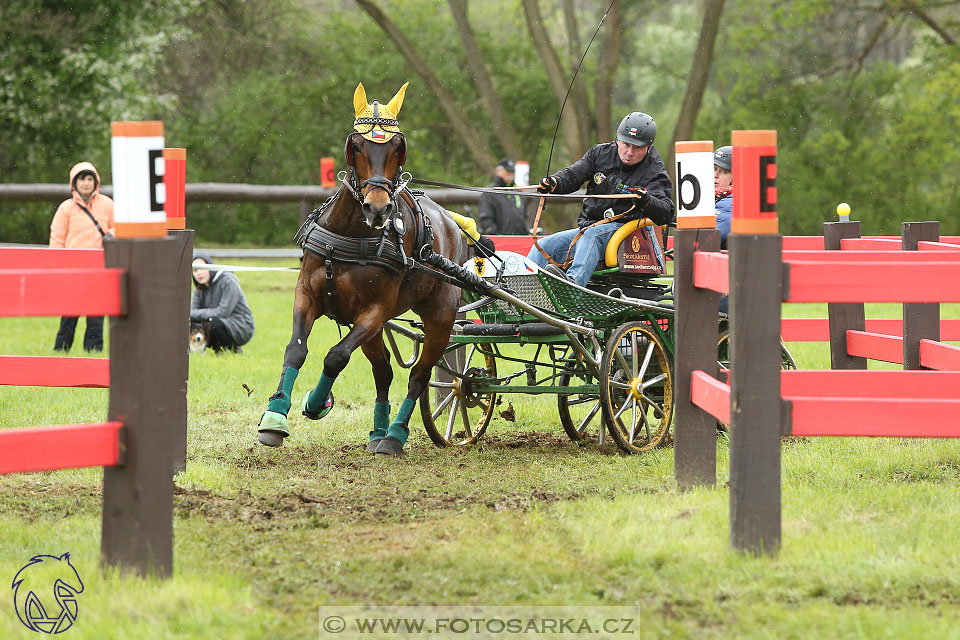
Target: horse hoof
{"x": 327, "y": 407}
{"x": 390, "y": 446}
{"x": 272, "y": 429}
{"x": 372, "y": 446}
{"x": 270, "y": 438}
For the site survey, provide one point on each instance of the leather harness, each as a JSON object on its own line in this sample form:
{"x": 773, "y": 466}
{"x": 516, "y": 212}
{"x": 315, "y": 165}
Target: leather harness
{"x": 385, "y": 251}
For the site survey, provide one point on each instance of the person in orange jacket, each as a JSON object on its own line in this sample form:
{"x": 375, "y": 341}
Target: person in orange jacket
{"x": 81, "y": 223}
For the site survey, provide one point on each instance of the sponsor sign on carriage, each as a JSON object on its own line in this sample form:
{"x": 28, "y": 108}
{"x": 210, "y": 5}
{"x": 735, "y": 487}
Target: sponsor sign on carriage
{"x": 138, "y": 185}
{"x": 637, "y": 252}
{"x": 694, "y": 171}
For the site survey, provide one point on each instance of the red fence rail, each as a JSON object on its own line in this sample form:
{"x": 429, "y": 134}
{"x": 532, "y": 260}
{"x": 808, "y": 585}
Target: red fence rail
{"x": 54, "y": 371}
{"x": 62, "y": 447}
{"x": 58, "y": 292}
{"x": 916, "y": 270}
{"x": 146, "y": 374}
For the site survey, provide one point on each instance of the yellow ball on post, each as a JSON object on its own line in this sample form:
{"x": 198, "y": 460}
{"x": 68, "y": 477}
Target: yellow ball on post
{"x": 843, "y": 210}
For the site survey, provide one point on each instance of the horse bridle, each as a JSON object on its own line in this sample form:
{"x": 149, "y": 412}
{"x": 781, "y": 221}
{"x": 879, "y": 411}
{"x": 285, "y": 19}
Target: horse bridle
{"x": 377, "y": 182}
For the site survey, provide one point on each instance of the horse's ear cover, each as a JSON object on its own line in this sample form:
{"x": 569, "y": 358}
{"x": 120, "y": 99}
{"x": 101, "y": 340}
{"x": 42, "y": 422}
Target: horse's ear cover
{"x": 360, "y": 100}
{"x": 397, "y": 101}
{"x": 377, "y": 122}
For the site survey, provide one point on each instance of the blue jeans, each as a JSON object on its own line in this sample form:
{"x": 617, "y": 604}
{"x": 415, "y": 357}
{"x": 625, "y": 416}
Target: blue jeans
{"x": 586, "y": 253}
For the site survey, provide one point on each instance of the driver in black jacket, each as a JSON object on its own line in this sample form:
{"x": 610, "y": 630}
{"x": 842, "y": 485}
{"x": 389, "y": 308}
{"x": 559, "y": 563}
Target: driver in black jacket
{"x": 631, "y": 165}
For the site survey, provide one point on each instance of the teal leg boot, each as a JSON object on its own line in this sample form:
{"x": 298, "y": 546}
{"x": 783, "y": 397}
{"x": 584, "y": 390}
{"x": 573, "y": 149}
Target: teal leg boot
{"x": 381, "y": 420}
{"x": 273, "y": 424}
{"x": 319, "y": 402}
{"x": 397, "y": 432}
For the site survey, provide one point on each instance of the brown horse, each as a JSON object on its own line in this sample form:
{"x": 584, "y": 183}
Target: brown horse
{"x": 363, "y": 288}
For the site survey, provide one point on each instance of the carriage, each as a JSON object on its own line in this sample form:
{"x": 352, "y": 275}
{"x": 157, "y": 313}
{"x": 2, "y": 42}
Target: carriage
{"x": 608, "y": 359}
{"x": 377, "y": 249}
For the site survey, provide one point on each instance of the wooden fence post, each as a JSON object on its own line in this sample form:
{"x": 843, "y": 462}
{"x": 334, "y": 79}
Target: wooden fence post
{"x": 920, "y": 321}
{"x": 756, "y": 292}
{"x": 756, "y": 408}
{"x": 697, "y": 333}
{"x": 184, "y": 238}
{"x": 146, "y": 388}
{"x": 846, "y": 315}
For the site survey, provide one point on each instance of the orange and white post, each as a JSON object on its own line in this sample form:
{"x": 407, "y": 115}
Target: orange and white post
{"x": 174, "y": 187}
{"x": 695, "y": 201}
{"x": 138, "y": 167}
{"x": 754, "y": 182}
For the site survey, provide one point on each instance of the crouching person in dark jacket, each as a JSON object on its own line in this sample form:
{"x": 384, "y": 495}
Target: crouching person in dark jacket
{"x": 219, "y": 308}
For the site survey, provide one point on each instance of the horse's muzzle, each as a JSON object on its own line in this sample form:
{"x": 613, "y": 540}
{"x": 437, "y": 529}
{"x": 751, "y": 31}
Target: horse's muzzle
{"x": 376, "y": 216}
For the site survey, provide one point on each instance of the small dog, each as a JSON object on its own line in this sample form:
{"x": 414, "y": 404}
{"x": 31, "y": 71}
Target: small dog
{"x": 198, "y": 337}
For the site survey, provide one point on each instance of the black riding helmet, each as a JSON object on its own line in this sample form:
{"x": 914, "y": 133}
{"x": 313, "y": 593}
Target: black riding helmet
{"x": 723, "y": 158}
{"x": 637, "y": 128}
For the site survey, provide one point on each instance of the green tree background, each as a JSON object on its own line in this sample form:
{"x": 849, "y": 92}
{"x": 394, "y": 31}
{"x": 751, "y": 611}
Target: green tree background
{"x": 865, "y": 96}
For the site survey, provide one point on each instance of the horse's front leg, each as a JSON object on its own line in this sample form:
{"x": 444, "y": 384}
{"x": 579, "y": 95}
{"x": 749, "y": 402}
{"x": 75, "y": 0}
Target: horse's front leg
{"x": 437, "y": 325}
{"x": 319, "y": 401}
{"x": 273, "y": 426}
{"x": 379, "y": 357}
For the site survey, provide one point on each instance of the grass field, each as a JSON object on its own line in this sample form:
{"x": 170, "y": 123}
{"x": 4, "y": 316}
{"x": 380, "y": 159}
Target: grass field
{"x": 263, "y": 537}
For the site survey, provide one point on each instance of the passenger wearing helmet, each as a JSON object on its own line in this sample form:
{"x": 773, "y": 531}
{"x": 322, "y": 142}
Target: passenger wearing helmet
{"x": 723, "y": 188}
{"x": 631, "y": 164}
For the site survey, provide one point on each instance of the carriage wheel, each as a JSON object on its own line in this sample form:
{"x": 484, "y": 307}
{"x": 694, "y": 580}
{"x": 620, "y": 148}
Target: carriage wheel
{"x": 452, "y": 412}
{"x": 723, "y": 362}
{"x": 580, "y": 414}
{"x": 723, "y": 354}
{"x": 636, "y": 388}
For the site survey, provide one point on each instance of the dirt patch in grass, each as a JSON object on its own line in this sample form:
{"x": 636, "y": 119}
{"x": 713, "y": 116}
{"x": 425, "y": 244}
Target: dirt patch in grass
{"x": 269, "y": 512}
{"x": 40, "y": 500}
{"x": 355, "y": 455}
{"x": 310, "y": 485}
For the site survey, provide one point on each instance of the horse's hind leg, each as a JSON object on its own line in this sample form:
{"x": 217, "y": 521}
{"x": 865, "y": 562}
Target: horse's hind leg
{"x": 436, "y": 329}
{"x": 273, "y": 426}
{"x": 379, "y": 357}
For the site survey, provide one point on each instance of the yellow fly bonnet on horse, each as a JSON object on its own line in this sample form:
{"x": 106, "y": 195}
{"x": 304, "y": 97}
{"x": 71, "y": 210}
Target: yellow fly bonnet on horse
{"x": 377, "y": 122}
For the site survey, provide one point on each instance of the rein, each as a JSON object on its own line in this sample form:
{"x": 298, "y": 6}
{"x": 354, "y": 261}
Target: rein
{"x": 567, "y": 260}
{"x": 556, "y": 196}
{"x": 542, "y": 196}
